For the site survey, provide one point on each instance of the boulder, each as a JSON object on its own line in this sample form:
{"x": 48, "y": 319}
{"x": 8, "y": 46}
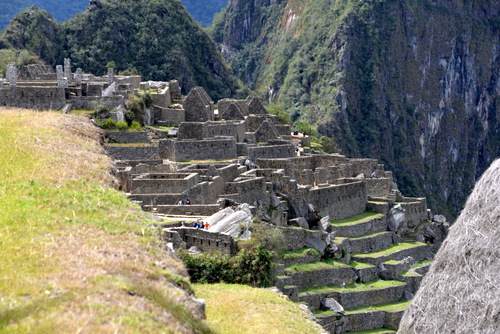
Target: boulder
{"x": 396, "y": 217}
{"x": 316, "y": 243}
{"x": 275, "y": 202}
{"x": 300, "y": 222}
{"x": 324, "y": 224}
{"x": 332, "y": 305}
{"x": 439, "y": 219}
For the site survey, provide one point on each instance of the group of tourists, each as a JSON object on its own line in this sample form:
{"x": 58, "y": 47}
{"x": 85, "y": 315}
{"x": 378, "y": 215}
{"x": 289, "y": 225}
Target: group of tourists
{"x": 186, "y": 202}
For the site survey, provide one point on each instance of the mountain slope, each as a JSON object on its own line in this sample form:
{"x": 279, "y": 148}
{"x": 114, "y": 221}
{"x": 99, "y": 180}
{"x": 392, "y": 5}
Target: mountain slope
{"x": 385, "y": 79}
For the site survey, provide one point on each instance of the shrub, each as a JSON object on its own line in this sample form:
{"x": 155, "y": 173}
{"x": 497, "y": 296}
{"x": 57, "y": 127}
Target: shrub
{"x": 108, "y": 124}
{"x": 252, "y": 267}
{"x": 147, "y": 100}
{"x": 122, "y": 126}
{"x": 135, "y": 125}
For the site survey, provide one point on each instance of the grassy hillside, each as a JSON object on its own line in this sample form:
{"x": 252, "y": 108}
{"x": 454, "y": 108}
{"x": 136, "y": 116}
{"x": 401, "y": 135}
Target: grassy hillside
{"x": 76, "y": 254}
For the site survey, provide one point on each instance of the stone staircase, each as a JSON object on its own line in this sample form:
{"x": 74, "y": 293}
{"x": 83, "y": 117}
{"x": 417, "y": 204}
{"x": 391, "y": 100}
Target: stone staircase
{"x": 373, "y": 281}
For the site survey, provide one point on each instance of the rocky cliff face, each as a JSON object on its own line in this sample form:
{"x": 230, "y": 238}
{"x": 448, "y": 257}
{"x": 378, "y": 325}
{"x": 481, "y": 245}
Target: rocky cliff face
{"x": 412, "y": 83}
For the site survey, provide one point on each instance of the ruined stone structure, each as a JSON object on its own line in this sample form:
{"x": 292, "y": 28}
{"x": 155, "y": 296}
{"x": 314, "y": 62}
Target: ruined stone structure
{"x": 365, "y": 224}
{"x": 39, "y": 87}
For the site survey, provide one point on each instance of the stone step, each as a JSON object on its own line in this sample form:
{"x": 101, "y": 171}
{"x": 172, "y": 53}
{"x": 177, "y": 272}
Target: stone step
{"x": 282, "y": 280}
{"x": 301, "y": 255}
{"x": 412, "y": 279}
{"x": 375, "y": 316}
{"x": 292, "y": 291}
{"x": 355, "y": 294}
{"x": 365, "y": 272}
{"x": 278, "y": 269}
{"x": 393, "y": 269}
{"x": 360, "y": 224}
{"x": 421, "y": 267}
{"x": 319, "y": 273}
{"x": 370, "y": 242}
{"x": 417, "y": 250}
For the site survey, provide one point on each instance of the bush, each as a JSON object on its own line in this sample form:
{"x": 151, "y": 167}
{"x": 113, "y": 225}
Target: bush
{"x": 252, "y": 267}
{"x": 147, "y": 100}
{"x": 108, "y": 124}
{"x": 122, "y": 126}
{"x": 135, "y": 125}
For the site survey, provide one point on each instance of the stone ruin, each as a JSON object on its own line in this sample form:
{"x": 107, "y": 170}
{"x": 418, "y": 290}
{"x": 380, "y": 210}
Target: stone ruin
{"x": 236, "y": 163}
{"x": 40, "y": 87}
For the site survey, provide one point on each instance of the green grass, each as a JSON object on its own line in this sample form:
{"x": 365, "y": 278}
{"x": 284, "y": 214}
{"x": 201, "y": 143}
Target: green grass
{"x": 353, "y": 287}
{"x": 76, "y": 255}
{"x": 241, "y": 309}
{"x": 356, "y": 219}
{"x": 360, "y": 265}
{"x": 323, "y": 313}
{"x": 393, "y": 262}
{"x": 392, "y": 307}
{"x": 300, "y": 253}
{"x": 367, "y": 235}
{"x": 328, "y": 264}
{"x": 410, "y": 274}
{"x": 390, "y": 249}
{"x": 421, "y": 264}
{"x": 162, "y": 128}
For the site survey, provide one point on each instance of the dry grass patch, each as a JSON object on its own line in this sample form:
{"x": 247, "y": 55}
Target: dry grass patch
{"x": 77, "y": 256}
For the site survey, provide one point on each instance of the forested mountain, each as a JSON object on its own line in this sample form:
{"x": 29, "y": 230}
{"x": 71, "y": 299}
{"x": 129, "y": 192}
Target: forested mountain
{"x": 414, "y": 83}
{"x": 156, "y": 38}
{"x": 61, "y": 10}
{"x": 202, "y": 11}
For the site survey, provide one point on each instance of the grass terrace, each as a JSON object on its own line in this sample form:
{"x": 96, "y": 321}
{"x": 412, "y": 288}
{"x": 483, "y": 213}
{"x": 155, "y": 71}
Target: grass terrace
{"x": 391, "y": 249}
{"x": 374, "y": 285}
{"x": 356, "y": 219}
{"x": 300, "y": 253}
{"x": 392, "y": 307}
{"x": 312, "y": 266}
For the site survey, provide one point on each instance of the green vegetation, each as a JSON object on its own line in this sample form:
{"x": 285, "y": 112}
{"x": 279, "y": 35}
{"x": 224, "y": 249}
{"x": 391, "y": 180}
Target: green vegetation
{"x": 360, "y": 265}
{"x": 319, "y": 265}
{"x": 356, "y": 219}
{"x": 300, "y": 253}
{"x": 367, "y": 235}
{"x": 76, "y": 253}
{"x": 392, "y": 307}
{"x": 353, "y": 287}
{"x": 421, "y": 264}
{"x": 239, "y": 309}
{"x": 390, "y": 249}
{"x": 252, "y": 267}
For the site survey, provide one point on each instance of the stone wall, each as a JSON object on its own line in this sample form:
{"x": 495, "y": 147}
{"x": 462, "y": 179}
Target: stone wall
{"x": 339, "y": 201}
{"x": 186, "y": 237}
{"x": 227, "y": 128}
{"x": 163, "y": 183}
{"x": 254, "y": 121}
{"x": 270, "y": 152}
{"x": 127, "y": 137}
{"x": 40, "y": 98}
{"x": 193, "y": 209}
{"x": 247, "y": 191}
{"x": 162, "y": 99}
{"x": 210, "y": 148}
{"x": 415, "y": 210}
{"x": 378, "y": 187}
{"x": 91, "y": 102}
{"x": 168, "y": 116}
{"x": 132, "y": 152}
